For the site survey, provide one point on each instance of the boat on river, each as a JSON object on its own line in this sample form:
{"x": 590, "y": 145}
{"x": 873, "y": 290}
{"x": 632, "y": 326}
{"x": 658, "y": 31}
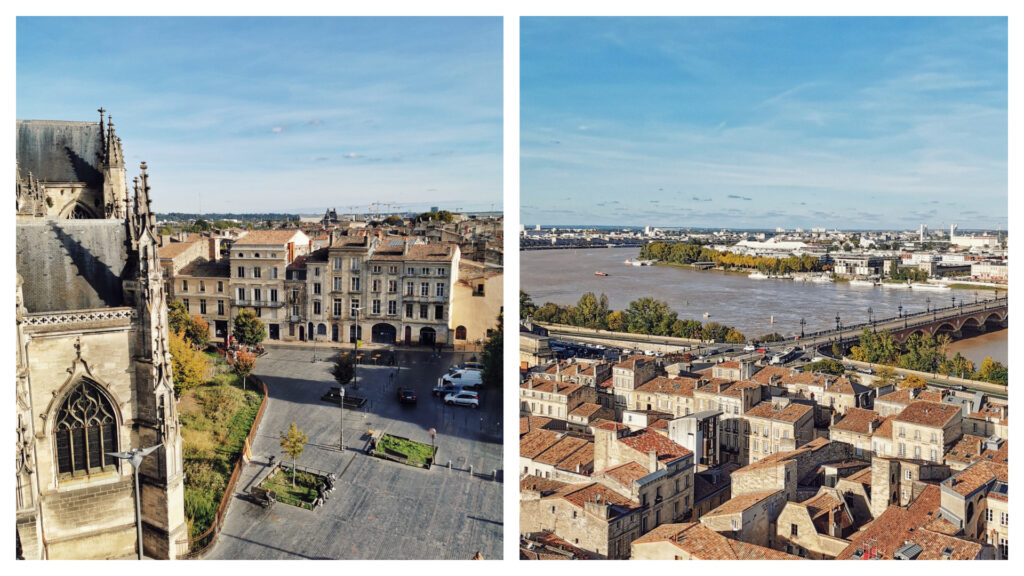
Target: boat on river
{"x": 599, "y": 273}
{"x": 896, "y": 285}
{"x": 758, "y": 276}
{"x": 863, "y": 283}
{"x": 930, "y": 287}
{"x": 822, "y": 279}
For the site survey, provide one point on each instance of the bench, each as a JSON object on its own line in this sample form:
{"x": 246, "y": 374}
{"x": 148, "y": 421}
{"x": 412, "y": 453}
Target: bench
{"x": 262, "y": 496}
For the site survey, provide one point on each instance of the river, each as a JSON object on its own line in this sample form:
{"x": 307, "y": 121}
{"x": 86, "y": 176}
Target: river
{"x": 754, "y": 307}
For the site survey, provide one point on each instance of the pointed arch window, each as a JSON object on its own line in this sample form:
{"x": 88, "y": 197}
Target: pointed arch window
{"x": 85, "y": 429}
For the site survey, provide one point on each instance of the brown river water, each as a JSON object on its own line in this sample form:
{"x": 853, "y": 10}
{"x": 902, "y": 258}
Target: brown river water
{"x": 754, "y": 307}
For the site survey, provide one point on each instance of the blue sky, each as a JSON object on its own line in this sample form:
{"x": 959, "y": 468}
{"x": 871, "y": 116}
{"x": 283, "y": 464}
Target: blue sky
{"x": 282, "y": 114}
{"x": 763, "y": 122}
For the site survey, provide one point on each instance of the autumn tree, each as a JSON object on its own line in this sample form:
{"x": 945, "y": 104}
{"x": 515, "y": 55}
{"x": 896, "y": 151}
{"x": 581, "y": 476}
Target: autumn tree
{"x": 245, "y": 363}
{"x": 734, "y": 336}
{"x": 993, "y": 371}
{"x": 189, "y": 366}
{"x": 177, "y": 317}
{"x": 957, "y": 366}
{"x": 198, "y": 332}
{"x": 913, "y": 381}
{"x": 292, "y": 444}
{"x": 885, "y": 376}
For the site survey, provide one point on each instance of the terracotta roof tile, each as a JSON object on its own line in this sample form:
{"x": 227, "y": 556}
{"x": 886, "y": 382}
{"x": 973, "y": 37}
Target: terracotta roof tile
{"x": 173, "y": 249}
{"x": 578, "y": 495}
{"x": 738, "y": 504}
{"x": 560, "y": 450}
{"x": 932, "y": 414}
{"x": 543, "y": 485}
{"x": 646, "y": 440}
{"x": 857, "y": 420}
{"x": 898, "y": 525}
{"x": 586, "y": 410}
{"x": 551, "y": 387}
{"x": 977, "y": 475}
{"x": 536, "y": 442}
{"x": 630, "y": 362}
{"x": 703, "y": 543}
{"x": 675, "y": 386}
{"x": 626, "y": 473}
{"x": 584, "y": 457}
{"x": 791, "y": 413}
{"x": 271, "y": 237}
{"x": 764, "y": 375}
{"x": 972, "y": 448}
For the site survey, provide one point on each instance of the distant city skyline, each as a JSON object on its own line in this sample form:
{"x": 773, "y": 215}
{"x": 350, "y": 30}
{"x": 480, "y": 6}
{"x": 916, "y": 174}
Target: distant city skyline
{"x": 740, "y": 123}
{"x": 263, "y": 114}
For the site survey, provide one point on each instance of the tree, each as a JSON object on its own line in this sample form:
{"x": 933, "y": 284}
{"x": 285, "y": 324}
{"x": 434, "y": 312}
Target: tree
{"x": 885, "y": 376}
{"x": 189, "y": 366}
{"x": 248, "y": 329}
{"x": 591, "y": 311}
{"x": 993, "y": 371}
{"x": 492, "y": 356}
{"x": 293, "y": 444}
{"x": 616, "y": 321}
{"x": 913, "y": 381}
{"x": 177, "y": 317}
{"x": 828, "y": 366}
{"x": 526, "y": 305}
{"x": 650, "y": 316}
{"x": 957, "y": 366}
{"x": 734, "y": 336}
{"x": 198, "y": 332}
{"x": 245, "y": 363}
{"x": 343, "y": 369}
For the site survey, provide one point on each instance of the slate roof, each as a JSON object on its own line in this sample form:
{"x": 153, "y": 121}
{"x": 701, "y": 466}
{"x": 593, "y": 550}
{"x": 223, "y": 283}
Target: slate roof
{"x": 71, "y": 264}
{"x": 60, "y": 151}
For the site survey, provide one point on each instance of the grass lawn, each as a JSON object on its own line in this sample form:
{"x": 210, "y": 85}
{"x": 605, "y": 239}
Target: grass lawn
{"x": 304, "y": 490}
{"x": 215, "y": 419}
{"x": 414, "y": 451}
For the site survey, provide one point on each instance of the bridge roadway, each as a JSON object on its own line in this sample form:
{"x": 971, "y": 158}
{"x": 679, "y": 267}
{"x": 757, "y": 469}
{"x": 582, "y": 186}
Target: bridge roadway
{"x": 952, "y": 317}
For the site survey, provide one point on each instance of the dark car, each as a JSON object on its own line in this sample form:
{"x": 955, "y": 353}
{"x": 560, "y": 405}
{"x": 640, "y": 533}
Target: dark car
{"x": 406, "y": 396}
{"x": 445, "y": 389}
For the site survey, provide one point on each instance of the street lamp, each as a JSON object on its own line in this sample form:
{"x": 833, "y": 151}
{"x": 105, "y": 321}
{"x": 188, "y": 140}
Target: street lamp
{"x": 928, "y": 304}
{"x": 314, "y": 348}
{"x": 953, "y": 301}
{"x": 134, "y": 457}
{"x": 802, "y": 323}
{"x": 975, "y": 296}
{"x": 341, "y": 417}
{"x": 870, "y": 312}
{"x": 900, "y": 308}
{"x": 837, "y": 322}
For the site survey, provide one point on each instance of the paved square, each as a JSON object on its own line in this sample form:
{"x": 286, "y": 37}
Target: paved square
{"x": 379, "y": 509}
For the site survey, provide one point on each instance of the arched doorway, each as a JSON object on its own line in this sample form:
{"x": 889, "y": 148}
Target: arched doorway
{"x": 334, "y": 332}
{"x": 408, "y": 335}
{"x": 355, "y": 332}
{"x": 321, "y": 329}
{"x": 460, "y": 333}
{"x": 428, "y": 336}
{"x": 384, "y": 333}
{"x": 309, "y": 330}
{"x": 302, "y": 333}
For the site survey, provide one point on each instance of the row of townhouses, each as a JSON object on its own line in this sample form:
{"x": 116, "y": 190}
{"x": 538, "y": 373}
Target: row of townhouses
{"x": 361, "y": 286}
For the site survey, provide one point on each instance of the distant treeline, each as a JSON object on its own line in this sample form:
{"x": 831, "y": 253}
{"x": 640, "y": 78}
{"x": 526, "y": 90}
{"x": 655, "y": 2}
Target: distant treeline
{"x": 689, "y": 253}
{"x": 213, "y": 217}
{"x": 644, "y": 316}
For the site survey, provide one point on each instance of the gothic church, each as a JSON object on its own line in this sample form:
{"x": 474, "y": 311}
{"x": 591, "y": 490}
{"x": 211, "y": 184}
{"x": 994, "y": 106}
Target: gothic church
{"x": 93, "y": 368}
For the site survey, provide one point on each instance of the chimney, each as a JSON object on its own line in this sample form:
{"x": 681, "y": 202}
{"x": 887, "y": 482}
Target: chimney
{"x": 577, "y": 467}
{"x": 871, "y": 427}
{"x": 653, "y": 455}
{"x": 214, "y": 249}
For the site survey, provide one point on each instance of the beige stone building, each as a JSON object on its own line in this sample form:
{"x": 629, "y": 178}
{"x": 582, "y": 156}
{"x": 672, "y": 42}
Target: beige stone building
{"x": 477, "y": 300}
{"x": 556, "y": 455}
{"x": 816, "y": 527}
{"x": 856, "y": 428}
{"x": 627, "y": 375}
{"x": 924, "y": 430}
{"x": 748, "y": 517}
{"x": 971, "y": 449}
{"x": 93, "y": 373}
{"x": 258, "y": 262}
{"x": 541, "y": 397}
{"x": 975, "y": 503}
{"x": 778, "y": 426}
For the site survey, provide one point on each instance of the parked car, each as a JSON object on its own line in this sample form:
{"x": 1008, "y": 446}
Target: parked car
{"x": 463, "y": 398}
{"x": 466, "y": 366}
{"x": 443, "y": 390}
{"x": 749, "y": 348}
{"x": 406, "y": 396}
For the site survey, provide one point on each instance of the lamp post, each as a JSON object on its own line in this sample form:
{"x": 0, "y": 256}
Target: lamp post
{"x": 928, "y": 304}
{"x": 870, "y": 312}
{"x": 802, "y": 323}
{"x": 975, "y": 296}
{"x": 837, "y": 322}
{"x": 314, "y": 348}
{"x": 341, "y": 417}
{"x": 134, "y": 457}
{"x": 952, "y": 300}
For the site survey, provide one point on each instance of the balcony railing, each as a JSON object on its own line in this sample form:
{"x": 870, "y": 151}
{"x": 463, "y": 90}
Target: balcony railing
{"x": 257, "y": 303}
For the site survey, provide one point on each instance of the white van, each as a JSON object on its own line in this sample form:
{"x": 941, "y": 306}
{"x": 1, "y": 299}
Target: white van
{"x": 464, "y": 377}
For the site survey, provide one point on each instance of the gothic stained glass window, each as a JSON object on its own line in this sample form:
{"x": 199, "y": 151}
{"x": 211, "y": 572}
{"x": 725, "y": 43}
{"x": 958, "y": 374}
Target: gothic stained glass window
{"x": 85, "y": 429}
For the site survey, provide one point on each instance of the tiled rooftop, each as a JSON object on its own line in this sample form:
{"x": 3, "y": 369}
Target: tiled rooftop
{"x": 857, "y": 421}
{"x": 791, "y": 413}
{"x": 972, "y": 448}
{"x": 626, "y": 473}
{"x": 550, "y": 386}
{"x": 898, "y": 525}
{"x": 646, "y": 440}
{"x": 738, "y": 504}
{"x": 270, "y": 237}
{"x": 703, "y": 543}
{"x": 662, "y": 385}
{"x": 924, "y": 413}
{"x": 585, "y": 410}
{"x": 977, "y": 475}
